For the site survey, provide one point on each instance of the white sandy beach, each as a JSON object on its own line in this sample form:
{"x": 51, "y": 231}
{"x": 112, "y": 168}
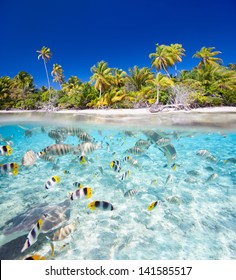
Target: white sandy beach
{"x": 144, "y": 111}
{"x": 212, "y": 117}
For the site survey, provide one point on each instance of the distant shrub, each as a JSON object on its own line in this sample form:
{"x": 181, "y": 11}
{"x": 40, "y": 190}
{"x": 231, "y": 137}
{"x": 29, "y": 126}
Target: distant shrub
{"x": 229, "y": 98}
{"x": 204, "y": 101}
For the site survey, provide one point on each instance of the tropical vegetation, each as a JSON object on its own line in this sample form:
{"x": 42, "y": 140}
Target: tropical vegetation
{"x": 209, "y": 83}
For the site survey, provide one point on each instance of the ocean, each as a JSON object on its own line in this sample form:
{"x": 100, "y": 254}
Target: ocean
{"x": 161, "y": 192}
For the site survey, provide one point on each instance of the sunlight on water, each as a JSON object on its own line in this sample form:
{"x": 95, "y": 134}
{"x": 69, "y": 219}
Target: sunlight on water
{"x": 189, "y": 173}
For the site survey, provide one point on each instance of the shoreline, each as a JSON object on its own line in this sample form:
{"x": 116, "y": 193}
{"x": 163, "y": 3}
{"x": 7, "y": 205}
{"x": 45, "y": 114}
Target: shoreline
{"x": 223, "y": 118}
{"x": 145, "y": 111}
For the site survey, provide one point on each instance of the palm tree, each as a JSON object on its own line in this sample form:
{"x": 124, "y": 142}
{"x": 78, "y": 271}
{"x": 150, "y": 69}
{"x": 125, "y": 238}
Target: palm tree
{"x": 57, "y": 73}
{"x": 45, "y": 54}
{"x": 207, "y": 56}
{"x": 139, "y": 77}
{"x": 118, "y": 77}
{"x": 101, "y": 76}
{"x": 176, "y": 51}
{"x": 161, "y": 81}
{"x": 6, "y": 85}
{"x": 225, "y": 79}
{"x": 162, "y": 58}
{"x": 72, "y": 86}
{"x": 232, "y": 66}
{"x": 24, "y": 81}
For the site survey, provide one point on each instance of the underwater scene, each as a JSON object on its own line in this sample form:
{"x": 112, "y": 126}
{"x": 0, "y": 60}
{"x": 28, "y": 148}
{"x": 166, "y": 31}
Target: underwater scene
{"x": 71, "y": 192}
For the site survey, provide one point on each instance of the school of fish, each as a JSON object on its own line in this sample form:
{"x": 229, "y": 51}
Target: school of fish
{"x": 119, "y": 168}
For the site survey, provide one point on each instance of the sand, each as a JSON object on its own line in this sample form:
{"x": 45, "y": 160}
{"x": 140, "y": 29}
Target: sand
{"x": 144, "y": 111}
{"x": 211, "y": 117}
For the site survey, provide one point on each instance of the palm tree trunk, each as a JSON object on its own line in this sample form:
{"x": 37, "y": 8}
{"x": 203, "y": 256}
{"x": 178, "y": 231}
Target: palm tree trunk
{"x": 176, "y": 70}
{"x": 158, "y": 95}
{"x": 100, "y": 91}
{"x": 163, "y": 66}
{"x": 49, "y": 87}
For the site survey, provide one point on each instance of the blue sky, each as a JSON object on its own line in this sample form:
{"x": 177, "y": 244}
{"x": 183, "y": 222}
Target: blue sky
{"x": 122, "y": 32}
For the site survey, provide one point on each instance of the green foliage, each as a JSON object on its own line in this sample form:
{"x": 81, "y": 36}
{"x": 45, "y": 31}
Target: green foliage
{"x": 208, "y": 84}
{"x": 200, "y": 100}
{"x": 139, "y": 77}
{"x": 229, "y": 98}
{"x": 164, "y": 97}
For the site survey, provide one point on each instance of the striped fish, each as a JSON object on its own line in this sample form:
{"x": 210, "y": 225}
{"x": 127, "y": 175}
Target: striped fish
{"x": 5, "y": 150}
{"x": 8, "y": 168}
{"x": 130, "y": 193}
{"x": 82, "y": 192}
{"x": 33, "y": 235}
{"x": 212, "y": 177}
{"x": 142, "y": 144}
{"x": 73, "y": 131}
{"x": 57, "y": 135}
{"x": 124, "y": 175}
{"x": 163, "y": 142}
{"x": 52, "y": 182}
{"x": 116, "y": 165}
{"x": 207, "y": 155}
{"x": 77, "y": 184}
{"x": 169, "y": 179}
{"x": 47, "y": 157}
{"x": 101, "y": 205}
{"x": 63, "y": 232}
{"x": 135, "y": 151}
{"x": 84, "y": 136}
{"x": 87, "y": 147}
{"x": 29, "y": 158}
{"x": 59, "y": 149}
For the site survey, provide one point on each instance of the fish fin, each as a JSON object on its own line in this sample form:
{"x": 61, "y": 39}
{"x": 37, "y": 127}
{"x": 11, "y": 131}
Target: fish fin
{"x": 57, "y": 178}
{"x": 26, "y": 245}
{"x": 52, "y": 248}
{"x": 15, "y": 172}
{"x": 89, "y": 194}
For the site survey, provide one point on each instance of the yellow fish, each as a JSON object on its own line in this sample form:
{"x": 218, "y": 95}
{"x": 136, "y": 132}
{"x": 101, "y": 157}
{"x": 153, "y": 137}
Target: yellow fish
{"x": 35, "y": 258}
{"x": 152, "y": 205}
{"x": 174, "y": 166}
{"x": 116, "y": 165}
{"x": 82, "y": 192}
{"x": 127, "y": 158}
{"x": 5, "y": 150}
{"x": 52, "y": 182}
{"x": 33, "y": 235}
{"x": 7, "y": 168}
{"x": 125, "y": 175}
{"x": 101, "y": 205}
{"x": 77, "y": 184}
{"x": 82, "y": 160}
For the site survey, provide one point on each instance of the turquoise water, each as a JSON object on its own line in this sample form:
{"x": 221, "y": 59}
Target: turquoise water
{"x": 195, "y": 217}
